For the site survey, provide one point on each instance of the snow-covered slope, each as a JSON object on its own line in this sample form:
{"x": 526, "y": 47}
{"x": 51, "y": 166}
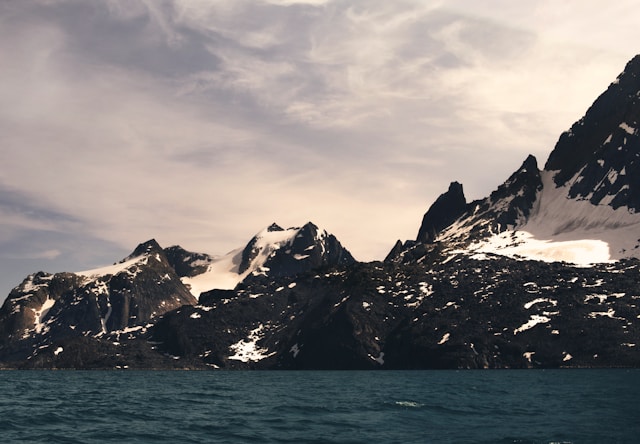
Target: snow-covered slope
{"x": 223, "y": 273}
{"x": 564, "y": 229}
{"x": 583, "y": 208}
{"x": 273, "y": 252}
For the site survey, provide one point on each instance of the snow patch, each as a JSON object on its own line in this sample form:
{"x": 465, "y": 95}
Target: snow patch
{"x": 611, "y": 313}
{"x": 628, "y": 129}
{"x": 247, "y": 350}
{"x": 530, "y": 304}
{"x": 528, "y": 356}
{"x": 532, "y": 322}
{"x": 114, "y": 269}
{"x": 223, "y": 273}
{"x": 564, "y": 229}
{"x": 444, "y": 339}
{"x": 41, "y": 314}
{"x": 379, "y": 359}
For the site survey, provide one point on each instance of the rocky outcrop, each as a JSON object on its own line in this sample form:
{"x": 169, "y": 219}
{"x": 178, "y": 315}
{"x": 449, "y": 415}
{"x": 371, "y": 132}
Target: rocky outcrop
{"x": 444, "y": 211}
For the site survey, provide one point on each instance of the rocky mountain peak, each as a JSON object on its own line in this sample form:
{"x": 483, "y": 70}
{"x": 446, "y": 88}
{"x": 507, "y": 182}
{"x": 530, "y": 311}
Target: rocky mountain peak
{"x": 288, "y": 252}
{"x": 446, "y": 209}
{"x": 187, "y": 263}
{"x": 274, "y": 227}
{"x": 149, "y": 247}
{"x": 599, "y": 157}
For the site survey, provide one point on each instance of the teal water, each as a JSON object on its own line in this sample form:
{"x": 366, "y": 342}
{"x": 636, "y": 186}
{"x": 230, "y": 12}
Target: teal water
{"x": 499, "y": 406}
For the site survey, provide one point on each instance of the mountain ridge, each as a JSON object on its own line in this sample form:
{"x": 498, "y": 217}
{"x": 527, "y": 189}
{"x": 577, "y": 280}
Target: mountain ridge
{"x": 542, "y": 273}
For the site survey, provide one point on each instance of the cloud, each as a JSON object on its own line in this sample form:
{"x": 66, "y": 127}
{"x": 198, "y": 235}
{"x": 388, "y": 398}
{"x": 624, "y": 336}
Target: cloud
{"x": 200, "y": 122}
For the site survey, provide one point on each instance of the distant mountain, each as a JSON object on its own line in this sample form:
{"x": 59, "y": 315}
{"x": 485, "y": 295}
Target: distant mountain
{"x": 117, "y": 299}
{"x": 542, "y": 273}
{"x": 124, "y": 299}
{"x": 274, "y": 251}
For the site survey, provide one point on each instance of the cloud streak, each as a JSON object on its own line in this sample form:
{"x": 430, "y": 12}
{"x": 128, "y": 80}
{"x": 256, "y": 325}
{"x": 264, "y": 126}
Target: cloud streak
{"x": 200, "y": 122}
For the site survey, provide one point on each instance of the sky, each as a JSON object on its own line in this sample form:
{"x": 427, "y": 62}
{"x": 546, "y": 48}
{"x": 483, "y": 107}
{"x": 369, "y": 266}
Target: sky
{"x": 200, "y": 122}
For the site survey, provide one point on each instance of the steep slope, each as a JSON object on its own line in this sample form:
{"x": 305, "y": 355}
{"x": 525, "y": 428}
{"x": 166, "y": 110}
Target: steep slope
{"x": 582, "y": 208}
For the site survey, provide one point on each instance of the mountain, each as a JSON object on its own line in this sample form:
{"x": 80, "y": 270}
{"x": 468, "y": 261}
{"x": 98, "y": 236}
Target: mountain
{"x": 87, "y": 313}
{"x": 581, "y": 208}
{"x": 53, "y": 308}
{"x": 542, "y": 273}
{"x": 274, "y": 251}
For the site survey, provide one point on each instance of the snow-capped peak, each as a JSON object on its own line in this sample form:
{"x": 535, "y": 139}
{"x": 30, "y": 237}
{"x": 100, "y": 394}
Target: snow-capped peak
{"x": 130, "y": 264}
{"x": 274, "y": 251}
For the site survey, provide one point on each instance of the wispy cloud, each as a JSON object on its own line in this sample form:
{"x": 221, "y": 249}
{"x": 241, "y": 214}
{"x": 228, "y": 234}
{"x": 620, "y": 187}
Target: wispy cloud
{"x": 199, "y": 122}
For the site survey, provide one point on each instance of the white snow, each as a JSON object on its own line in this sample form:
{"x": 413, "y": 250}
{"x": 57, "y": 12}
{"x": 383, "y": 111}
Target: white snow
{"x": 113, "y": 269}
{"x": 58, "y": 350}
{"x": 610, "y": 313}
{"x": 379, "y": 359}
{"x": 530, "y": 304}
{"x": 628, "y": 129}
{"x": 223, "y": 272}
{"x": 570, "y": 230}
{"x": 29, "y": 286}
{"x": 40, "y": 314}
{"x": 247, "y": 349}
{"x": 444, "y": 339}
{"x": 103, "y": 321}
{"x": 295, "y": 349}
{"x": 532, "y": 322}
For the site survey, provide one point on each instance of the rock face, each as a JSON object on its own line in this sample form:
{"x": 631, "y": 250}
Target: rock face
{"x": 187, "y": 263}
{"x": 598, "y": 157}
{"x": 446, "y": 209}
{"x": 289, "y": 252}
{"x": 543, "y": 273}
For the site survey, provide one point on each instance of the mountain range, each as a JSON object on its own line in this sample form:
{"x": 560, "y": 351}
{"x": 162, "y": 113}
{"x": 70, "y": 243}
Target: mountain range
{"x": 544, "y": 273}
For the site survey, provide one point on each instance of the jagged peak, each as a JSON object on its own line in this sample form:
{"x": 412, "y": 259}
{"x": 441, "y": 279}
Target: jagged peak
{"x": 446, "y": 209}
{"x": 530, "y": 163}
{"x": 616, "y": 107}
{"x": 148, "y": 247}
{"x": 274, "y": 227}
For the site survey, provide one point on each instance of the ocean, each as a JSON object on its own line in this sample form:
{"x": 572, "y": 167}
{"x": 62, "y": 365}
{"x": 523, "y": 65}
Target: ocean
{"x": 471, "y": 406}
